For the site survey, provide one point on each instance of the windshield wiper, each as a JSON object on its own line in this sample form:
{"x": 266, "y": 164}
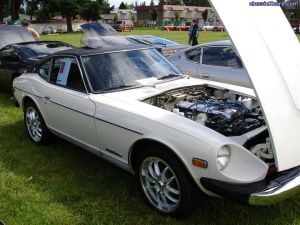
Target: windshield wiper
{"x": 120, "y": 87}
{"x": 171, "y": 75}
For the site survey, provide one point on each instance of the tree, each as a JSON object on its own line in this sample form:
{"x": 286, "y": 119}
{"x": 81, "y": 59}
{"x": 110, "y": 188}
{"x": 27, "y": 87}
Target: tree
{"x": 205, "y": 15}
{"x": 90, "y": 11}
{"x": 67, "y": 8}
{"x": 152, "y": 3}
{"x": 196, "y": 2}
{"x": 116, "y": 18}
{"x": 31, "y": 7}
{"x": 105, "y": 7}
{"x": 122, "y": 6}
{"x": 133, "y": 18}
{"x": 174, "y": 2}
{"x": 42, "y": 13}
{"x": 154, "y": 14}
{"x": 15, "y": 6}
{"x": 162, "y": 2}
{"x": 177, "y": 16}
{"x": 1, "y": 10}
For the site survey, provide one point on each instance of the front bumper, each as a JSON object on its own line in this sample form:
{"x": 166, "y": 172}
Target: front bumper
{"x": 271, "y": 190}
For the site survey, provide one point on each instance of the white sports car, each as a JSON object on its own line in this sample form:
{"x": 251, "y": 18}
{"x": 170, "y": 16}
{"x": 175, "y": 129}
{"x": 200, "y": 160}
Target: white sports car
{"x": 179, "y": 135}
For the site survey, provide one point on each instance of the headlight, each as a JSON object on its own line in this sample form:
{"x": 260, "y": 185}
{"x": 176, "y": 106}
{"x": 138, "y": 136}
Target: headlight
{"x": 223, "y": 157}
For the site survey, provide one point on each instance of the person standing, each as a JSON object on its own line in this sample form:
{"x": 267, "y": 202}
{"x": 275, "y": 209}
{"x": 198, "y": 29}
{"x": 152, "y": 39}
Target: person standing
{"x": 190, "y": 33}
{"x": 34, "y": 33}
{"x": 194, "y": 35}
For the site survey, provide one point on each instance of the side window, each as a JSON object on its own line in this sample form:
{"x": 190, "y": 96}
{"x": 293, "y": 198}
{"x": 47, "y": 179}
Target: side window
{"x": 65, "y": 72}
{"x": 221, "y": 56}
{"x": 44, "y": 70}
{"x": 8, "y": 54}
{"x": 194, "y": 55}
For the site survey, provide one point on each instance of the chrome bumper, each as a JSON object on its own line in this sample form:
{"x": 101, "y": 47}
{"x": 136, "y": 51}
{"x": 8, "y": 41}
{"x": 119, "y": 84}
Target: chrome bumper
{"x": 276, "y": 194}
{"x": 271, "y": 190}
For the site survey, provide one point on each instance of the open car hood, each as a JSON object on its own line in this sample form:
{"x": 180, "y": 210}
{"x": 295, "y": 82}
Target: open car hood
{"x": 14, "y": 34}
{"x": 98, "y": 29}
{"x": 271, "y": 55}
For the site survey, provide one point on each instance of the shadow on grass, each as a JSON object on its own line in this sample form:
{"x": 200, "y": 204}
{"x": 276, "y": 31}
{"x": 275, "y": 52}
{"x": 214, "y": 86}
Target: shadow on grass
{"x": 101, "y": 193}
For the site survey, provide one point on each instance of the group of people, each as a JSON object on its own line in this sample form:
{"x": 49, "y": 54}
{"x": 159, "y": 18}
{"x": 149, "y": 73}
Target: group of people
{"x": 193, "y": 33}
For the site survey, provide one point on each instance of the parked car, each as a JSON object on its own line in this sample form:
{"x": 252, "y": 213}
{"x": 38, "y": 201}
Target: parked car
{"x": 49, "y": 30}
{"x": 105, "y": 35}
{"x": 123, "y": 25}
{"x": 219, "y": 28}
{"x": 169, "y": 27}
{"x": 165, "y": 46}
{"x": 207, "y": 27}
{"x": 131, "y": 106}
{"x": 19, "y": 50}
{"x": 217, "y": 61}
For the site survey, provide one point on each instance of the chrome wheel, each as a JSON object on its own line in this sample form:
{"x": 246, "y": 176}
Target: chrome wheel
{"x": 33, "y": 124}
{"x": 160, "y": 184}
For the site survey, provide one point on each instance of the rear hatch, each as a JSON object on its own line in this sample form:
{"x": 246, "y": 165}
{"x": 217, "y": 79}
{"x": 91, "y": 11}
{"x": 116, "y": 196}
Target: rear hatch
{"x": 10, "y": 34}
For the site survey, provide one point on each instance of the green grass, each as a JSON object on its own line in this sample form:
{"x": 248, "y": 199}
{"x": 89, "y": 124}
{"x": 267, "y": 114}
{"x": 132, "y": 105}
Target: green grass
{"x": 63, "y": 184}
{"x": 178, "y": 36}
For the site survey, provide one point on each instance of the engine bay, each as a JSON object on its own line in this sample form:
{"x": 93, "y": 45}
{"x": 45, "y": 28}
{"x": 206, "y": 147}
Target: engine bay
{"x": 227, "y": 112}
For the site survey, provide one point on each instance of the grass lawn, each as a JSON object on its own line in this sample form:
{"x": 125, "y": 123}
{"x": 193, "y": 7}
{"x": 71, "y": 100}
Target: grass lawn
{"x": 178, "y": 36}
{"x": 62, "y": 184}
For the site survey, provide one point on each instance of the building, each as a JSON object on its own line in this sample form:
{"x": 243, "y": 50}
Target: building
{"x": 122, "y": 14}
{"x": 167, "y": 14}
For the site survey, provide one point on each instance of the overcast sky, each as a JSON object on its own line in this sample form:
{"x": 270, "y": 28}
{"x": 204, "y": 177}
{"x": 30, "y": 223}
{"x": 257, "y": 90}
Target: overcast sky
{"x": 117, "y": 2}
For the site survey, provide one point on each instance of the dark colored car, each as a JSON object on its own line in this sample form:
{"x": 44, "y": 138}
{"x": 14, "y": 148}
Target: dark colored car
{"x": 16, "y": 58}
{"x": 19, "y": 51}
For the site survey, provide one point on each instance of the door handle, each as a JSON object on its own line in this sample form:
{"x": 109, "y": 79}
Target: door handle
{"x": 47, "y": 97}
{"x": 205, "y": 75}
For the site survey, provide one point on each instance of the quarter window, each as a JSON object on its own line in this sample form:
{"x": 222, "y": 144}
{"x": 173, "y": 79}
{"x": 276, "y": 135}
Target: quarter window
{"x": 194, "y": 55}
{"x": 221, "y": 56}
{"x": 44, "y": 70}
{"x": 65, "y": 72}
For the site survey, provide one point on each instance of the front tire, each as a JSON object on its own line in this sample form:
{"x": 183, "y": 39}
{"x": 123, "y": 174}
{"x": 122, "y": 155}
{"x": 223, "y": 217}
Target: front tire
{"x": 35, "y": 125}
{"x": 166, "y": 185}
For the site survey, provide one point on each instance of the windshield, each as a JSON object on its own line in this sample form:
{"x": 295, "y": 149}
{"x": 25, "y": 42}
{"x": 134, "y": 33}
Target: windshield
{"x": 159, "y": 41}
{"x": 127, "y": 69}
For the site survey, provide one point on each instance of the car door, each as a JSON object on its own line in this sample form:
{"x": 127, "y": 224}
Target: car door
{"x": 221, "y": 63}
{"x": 9, "y": 64}
{"x": 67, "y": 108}
{"x": 191, "y": 60}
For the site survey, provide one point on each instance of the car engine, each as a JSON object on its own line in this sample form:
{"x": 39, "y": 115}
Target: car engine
{"x": 221, "y": 110}
{"x": 227, "y": 112}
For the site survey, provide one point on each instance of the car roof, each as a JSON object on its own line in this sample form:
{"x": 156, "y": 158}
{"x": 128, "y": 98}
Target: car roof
{"x": 39, "y": 42}
{"x": 90, "y": 51}
{"x": 218, "y": 43}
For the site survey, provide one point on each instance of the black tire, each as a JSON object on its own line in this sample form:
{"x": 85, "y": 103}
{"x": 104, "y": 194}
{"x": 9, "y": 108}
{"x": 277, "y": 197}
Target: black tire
{"x": 40, "y": 135}
{"x": 183, "y": 182}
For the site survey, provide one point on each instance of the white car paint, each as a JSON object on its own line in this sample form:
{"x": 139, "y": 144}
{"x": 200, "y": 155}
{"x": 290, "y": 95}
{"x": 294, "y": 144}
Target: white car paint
{"x": 125, "y": 109}
{"x": 109, "y": 124}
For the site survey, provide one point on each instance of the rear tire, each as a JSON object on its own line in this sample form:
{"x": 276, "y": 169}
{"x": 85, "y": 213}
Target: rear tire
{"x": 35, "y": 125}
{"x": 165, "y": 183}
